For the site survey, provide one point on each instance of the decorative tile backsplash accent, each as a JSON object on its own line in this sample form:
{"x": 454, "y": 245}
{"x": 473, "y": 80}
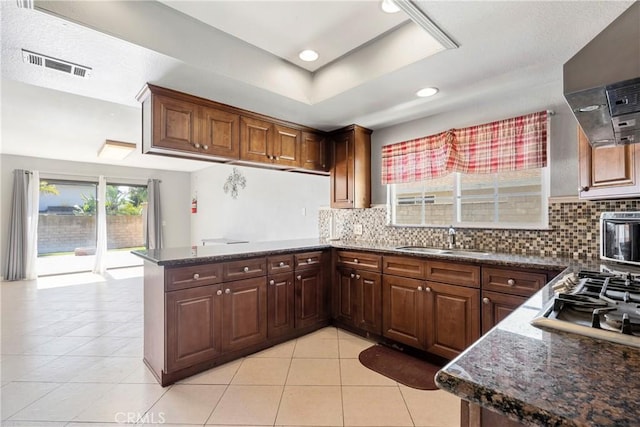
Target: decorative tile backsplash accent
{"x": 574, "y": 230}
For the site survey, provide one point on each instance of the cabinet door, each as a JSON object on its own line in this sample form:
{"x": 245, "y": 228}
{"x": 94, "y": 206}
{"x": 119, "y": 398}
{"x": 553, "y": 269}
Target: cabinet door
{"x": 452, "y": 318}
{"x": 175, "y": 124}
{"x": 220, "y": 133}
{"x": 608, "y": 172}
{"x": 403, "y": 310}
{"x": 314, "y": 152}
{"x": 255, "y": 140}
{"x": 193, "y": 326}
{"x": 309, "y": 297}
{"x": 342, "y": 174}
{"x": 497, "y": 306}
{"x": 369, "y": 302}
{"x": 344, "y": 296}
{"x": 286, "y": 146}
{"x": 244, "y": 315}
{"x": 281, "y": 305}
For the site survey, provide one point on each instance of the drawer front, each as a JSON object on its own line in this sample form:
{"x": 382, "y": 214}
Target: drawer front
{"x": 244, "y": 269}
{"x": 404, "y": 266}
{"x": 308, "y": 260}
{"x": 192, "y": 276}
{"x": 359, "y": 260}
{"x": 280, "y": 264}
{"x": 512, "y": 281}
{"x": 453, "y": 273}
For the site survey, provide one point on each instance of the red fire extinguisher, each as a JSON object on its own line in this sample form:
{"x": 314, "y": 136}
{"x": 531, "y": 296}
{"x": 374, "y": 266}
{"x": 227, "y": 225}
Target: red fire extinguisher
{"x": 194, "y": 205}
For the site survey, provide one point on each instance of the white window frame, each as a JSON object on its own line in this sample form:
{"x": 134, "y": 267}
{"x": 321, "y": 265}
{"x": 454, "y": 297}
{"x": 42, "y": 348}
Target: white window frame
{"x": 545, "y": 173}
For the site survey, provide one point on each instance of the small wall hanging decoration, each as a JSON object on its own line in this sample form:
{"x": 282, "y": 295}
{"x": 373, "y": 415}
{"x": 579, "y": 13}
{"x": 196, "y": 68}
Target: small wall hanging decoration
{"x": 234, "y": 181}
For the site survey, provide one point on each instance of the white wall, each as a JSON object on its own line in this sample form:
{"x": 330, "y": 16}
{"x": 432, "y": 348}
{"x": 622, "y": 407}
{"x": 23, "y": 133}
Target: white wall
{"x": 563, "y": 145}
{"x": 269, "y": 208}
{"x": 174, "y": 190}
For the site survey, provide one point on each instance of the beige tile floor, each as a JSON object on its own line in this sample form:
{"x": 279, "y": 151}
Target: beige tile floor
{"x": 71, "y": 355}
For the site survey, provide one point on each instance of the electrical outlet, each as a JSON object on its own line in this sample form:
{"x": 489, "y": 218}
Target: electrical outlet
{"x": 357, "y": 229}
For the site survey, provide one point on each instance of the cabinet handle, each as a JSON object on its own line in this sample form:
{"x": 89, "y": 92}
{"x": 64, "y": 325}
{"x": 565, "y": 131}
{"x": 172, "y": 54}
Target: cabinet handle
{"x": 196, "y": 276}
{"x": 299, "y": 277}
{"x": 218, "y": 292}
{"x": 427, "y": 289}
{"x": 356, "y": 260}
{"x": 276, "y": 158}
{"x": 246, "y": 269}
{"x": 357, "y": 276}
{"x": 272, "y": 282}
{"x": 196, "y": 145}
{"x": 419, "y": 288}
{"x": 511, "y": 282}
{"x": 353, "y": 275}
{"x": 227, "y": 291}
{"x": 281, "y": 264}
{"x": 206, "y": 147}
{"x": 486, "y": 300}
{"x": 309, "y": 260}
{"x": 583, "y": 188}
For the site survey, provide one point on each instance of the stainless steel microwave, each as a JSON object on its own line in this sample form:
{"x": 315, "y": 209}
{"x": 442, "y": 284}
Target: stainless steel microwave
{"x": 620, "y": 237}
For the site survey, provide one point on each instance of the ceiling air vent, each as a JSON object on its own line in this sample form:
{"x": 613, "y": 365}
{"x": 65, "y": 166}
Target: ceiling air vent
{"x": 55, "y": 64}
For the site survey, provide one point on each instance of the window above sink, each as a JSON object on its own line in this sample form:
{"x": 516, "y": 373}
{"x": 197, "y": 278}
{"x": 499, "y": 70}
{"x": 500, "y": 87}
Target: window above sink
{"x": 514, "y": 199}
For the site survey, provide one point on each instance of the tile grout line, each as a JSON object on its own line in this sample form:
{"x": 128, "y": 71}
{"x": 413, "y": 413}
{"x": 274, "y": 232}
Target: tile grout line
{"x": 284, "y": 386}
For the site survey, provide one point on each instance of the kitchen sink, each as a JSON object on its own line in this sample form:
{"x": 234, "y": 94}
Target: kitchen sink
{"x": 437, "y": 251}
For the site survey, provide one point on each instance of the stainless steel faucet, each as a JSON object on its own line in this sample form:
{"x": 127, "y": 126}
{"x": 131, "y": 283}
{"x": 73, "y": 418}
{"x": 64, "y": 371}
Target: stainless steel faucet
{"x": 452, "y": 236}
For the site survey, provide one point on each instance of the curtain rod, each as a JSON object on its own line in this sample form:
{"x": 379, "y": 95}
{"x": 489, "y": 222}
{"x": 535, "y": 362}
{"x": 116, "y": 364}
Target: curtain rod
{"x": 92, "y": 176}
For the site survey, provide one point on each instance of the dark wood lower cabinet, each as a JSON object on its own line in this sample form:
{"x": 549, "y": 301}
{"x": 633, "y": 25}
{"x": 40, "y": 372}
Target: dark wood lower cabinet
{"x": 369, "y": 302}
{"x": 194, "y": 317}
{"x": 452, "y": 318}
{"x": 280, "y": 305}
{"x": 403, "y": 310}
{"x": 472, "y": 415}
{"x": 310, "y": 297}
{"x": 357, "y": 299}
{"x": 244, "y": 313}
{"x": 496, "y": 306}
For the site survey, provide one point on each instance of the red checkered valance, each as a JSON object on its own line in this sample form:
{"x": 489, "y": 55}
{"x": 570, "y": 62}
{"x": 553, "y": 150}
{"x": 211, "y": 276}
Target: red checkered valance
{"x": 505, "y": 145}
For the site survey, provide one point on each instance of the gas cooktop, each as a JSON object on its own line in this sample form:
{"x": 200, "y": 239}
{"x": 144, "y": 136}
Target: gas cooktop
{"x": 598, "y": 304}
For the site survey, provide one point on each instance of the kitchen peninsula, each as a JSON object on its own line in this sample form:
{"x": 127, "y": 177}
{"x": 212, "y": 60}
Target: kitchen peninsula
{"x": 208, "y": 305}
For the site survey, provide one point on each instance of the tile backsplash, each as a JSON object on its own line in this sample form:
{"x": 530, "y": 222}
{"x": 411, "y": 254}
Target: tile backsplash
{"x": 574, "y": 230}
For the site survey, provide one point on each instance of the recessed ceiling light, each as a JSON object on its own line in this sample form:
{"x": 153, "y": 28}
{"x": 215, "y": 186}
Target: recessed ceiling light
{"x": 308, "y": 55}
{"x": 427, "y": 91}
{"x": 389, "y": 6}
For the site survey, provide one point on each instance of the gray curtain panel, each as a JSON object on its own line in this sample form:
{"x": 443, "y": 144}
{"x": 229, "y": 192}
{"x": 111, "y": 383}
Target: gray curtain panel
{"x": 15, "y": 267}
{"x": 154, "y": 215}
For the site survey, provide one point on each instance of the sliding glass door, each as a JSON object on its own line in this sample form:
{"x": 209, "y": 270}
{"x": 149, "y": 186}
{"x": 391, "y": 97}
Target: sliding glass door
{"x": 67, "y": 225}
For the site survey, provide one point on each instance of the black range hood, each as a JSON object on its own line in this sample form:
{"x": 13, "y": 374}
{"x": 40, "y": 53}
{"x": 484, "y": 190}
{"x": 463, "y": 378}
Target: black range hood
{"x": 602, "y": 82}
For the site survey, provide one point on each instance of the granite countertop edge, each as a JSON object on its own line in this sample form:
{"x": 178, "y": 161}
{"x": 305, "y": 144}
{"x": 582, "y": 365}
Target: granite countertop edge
{"x": 204, "y": 254}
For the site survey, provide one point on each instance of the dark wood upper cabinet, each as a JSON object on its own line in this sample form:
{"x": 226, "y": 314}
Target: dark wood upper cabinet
{"x": 314, "y": 155}
{"x": 255, "y": 140}
{"x": 351, "y": 168}
{"x": 220, "y": 133}
{"x": 176, "y": 126}
{"x": 608, "y": 172}
{"x": 182, "y": 125}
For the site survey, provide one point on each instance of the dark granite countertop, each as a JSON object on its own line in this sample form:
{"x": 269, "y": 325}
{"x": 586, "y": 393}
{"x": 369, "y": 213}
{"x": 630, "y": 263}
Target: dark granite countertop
{"x": 548, "y": 378}
{"x": 204, "y": 254}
